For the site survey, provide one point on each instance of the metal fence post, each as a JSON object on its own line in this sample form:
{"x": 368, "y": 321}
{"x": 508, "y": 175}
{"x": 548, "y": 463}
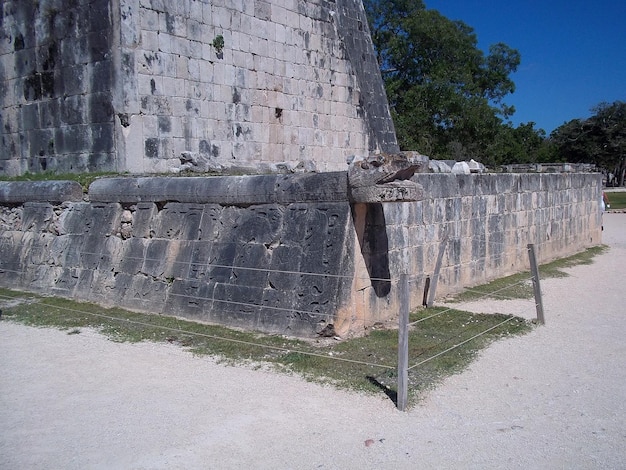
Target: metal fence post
{"x": 534, "y": 270}
{"x": 403, "y": 344}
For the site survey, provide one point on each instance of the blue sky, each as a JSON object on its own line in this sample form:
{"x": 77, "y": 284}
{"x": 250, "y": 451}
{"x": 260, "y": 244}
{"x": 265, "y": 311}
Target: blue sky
{"x": 573, "y": 52}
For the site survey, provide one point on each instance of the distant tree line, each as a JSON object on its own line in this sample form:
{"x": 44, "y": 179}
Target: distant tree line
{"x": 446, "y": 96}
{"x": 600, "y": 139}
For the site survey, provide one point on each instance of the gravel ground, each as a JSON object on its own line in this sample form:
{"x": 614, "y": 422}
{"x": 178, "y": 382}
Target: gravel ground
{"x": 551, "y": 399}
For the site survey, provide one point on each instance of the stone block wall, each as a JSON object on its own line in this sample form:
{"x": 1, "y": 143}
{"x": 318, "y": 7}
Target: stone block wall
{"x": 277, "y": 267}
{"x": 486, "y": 221}
{"x": 56, "y": 87}
{"x": 166, "y": 85}
{"x": 287, "y": 254}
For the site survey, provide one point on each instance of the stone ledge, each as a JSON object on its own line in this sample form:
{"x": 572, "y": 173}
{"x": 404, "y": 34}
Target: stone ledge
{"x": 224, "y": 190}
{"x": 395, "y": 191}
{"x": 18, "y": 192}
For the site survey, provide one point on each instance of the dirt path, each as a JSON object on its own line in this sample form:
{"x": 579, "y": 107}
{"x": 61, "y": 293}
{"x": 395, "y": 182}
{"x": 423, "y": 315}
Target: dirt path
{"x": 552, "y": 399}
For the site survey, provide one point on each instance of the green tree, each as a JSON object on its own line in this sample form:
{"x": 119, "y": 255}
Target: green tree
{"x": 521, "y": 144}
{"x": 445, "y": 94}
{"x": 600, "y": 139}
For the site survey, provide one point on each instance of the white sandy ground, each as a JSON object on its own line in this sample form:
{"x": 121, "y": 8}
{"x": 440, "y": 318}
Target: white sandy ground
{"x": 552, "y": 399}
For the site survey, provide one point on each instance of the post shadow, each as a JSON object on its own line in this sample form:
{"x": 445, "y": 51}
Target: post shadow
{"x": 391, "y": 394}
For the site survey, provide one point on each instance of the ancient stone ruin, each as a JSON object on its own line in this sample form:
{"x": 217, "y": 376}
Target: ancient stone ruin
{"x": 159, "y": 86}
{"x": 316, "y": 213}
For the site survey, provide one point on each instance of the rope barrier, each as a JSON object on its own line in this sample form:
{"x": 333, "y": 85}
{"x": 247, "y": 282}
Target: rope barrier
{"x": 243, "y": 268}
{"x": 209, "y": 336}
{"x": 276, "y": 348}
{"x": 485, "y": 295}
{"x": 413, "y": 279}
{"x": 461, "y": 343}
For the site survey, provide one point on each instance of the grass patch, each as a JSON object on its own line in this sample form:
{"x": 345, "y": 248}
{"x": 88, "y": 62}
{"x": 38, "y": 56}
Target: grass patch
{"x": 617, "y": 199}
{"x": 519, "y": 286}
{"x": 364, "y": 364}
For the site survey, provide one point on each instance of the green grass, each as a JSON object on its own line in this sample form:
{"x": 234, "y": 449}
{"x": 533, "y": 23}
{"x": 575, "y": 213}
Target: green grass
{"x": 617, "y": 199}
{"x": 365, "y": 364}
{"x": 519, "y": 286}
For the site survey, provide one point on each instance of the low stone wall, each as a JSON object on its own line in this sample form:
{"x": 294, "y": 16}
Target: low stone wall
{"x": 163, "y": 245}
{"x": 486, "y": 222}
{"x": 288, "y": 254}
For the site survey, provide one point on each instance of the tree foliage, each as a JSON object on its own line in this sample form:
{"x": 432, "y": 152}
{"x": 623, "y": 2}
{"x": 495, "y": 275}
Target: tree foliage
{"x": 446, "y": 96}
{"x": 521, "y": 144}
{"x": 600, "y": 139}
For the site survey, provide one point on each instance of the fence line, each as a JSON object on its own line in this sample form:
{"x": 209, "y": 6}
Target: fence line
{"x": 205, "y": 335}
{"x": 244, "y": 304}
{"x": 413, "y": 279}
{"x": 2, "y": 269}
{"x": 403, "y": 366}
{"x": 243, "y": 268}
{"x": 403, "y": 325}
{"x": 462, "y": 343}
{"x": 227, "y": 284}
{"x": 401, "y": 402}
{"x": 431, "y": 286}
{"x": 285, "y": 309}
{"x": 484, "y": 295}
{"x": 278, "y": 271}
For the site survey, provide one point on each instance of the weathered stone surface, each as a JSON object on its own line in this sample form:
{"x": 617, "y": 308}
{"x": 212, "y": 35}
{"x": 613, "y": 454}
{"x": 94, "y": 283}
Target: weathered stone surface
{"x": 491, "y": 218}
{"x": 224, "y": 190}
{"x": 37, "y": 216}
{"x": 295, "y": 268}
{"x": 397, "y": 191}
{"x": 57, "y": 87}
{"x": 18, "y": 192}
{"x": 385, "y": 168}
{"x": 100, "y": 218}
{"x": 141, "y": 86}
{"x": 352, "y": 26}
{"x": 205, "y": 261}
{"x": 386, "y": 178}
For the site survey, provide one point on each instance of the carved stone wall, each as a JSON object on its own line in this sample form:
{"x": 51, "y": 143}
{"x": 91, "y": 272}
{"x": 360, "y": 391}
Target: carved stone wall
{"x": 288, "y": 254}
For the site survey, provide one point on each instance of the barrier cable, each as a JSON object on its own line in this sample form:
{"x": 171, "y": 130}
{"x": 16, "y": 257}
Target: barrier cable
{"x": 462, "y": 343}
{"x": 484, "y": 296}
{"x": 209, "y": 336}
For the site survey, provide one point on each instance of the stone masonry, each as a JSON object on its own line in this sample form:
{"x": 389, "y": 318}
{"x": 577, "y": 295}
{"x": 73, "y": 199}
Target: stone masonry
{"x": 286, "y": 91}
{"x": 284, "y": 253}
{"x": 148, "y": 86}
